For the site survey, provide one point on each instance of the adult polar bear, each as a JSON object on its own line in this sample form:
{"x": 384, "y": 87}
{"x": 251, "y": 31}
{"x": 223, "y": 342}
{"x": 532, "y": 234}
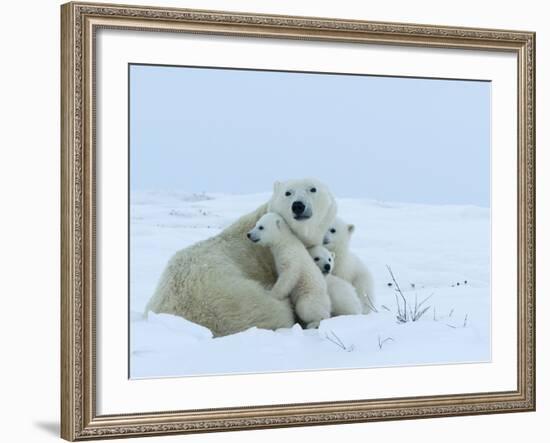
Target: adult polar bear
{"x": 223, "y": 282}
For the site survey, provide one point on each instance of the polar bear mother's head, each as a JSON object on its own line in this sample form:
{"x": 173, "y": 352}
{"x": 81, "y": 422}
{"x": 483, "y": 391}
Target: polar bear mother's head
{"x": 307, "y": 206}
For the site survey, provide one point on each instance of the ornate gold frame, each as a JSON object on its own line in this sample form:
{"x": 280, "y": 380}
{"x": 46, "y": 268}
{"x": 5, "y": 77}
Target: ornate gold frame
{"x": 79, "y": 21}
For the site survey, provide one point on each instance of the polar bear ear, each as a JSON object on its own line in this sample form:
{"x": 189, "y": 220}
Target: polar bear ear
{"x": 351, "y": 229}
{"x": 276, "y": 186}
{"x": 333, "y": 255}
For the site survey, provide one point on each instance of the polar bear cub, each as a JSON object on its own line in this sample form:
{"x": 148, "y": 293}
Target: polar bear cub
{"x": 347, "y": 265}
{"x": 298, "y": 277}
{"x": 343, "y": 298}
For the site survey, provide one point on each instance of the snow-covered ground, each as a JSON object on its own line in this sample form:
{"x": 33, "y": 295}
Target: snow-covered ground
{"x": 441, "y": 252}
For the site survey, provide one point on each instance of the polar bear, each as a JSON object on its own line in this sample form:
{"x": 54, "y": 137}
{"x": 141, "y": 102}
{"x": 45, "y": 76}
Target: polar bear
{"x": 343, "y": 298}
{"x": 297, "y": 275}
{"x": 347, "y": 265}
{"x": 223, "y": 282}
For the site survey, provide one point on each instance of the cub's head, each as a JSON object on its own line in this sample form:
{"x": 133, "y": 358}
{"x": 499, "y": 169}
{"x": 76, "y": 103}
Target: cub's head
{"x": 268, "y": 229}
{"x": 306, "y": 205}
{"x": 338, "y": 235}
{"x": 323, "y": 258}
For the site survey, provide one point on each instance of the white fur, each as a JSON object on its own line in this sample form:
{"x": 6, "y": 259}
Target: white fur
{"x": 343, "y": 298}
{"x": 320, "y": 203}
{"x": 347, "y": 265}
{"x": 298, "y": 277}
{"x": 223, "y": 282}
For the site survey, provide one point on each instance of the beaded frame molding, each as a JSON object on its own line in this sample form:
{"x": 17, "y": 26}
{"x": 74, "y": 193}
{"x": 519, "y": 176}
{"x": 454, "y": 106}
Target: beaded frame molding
{"x": 79, "y": 23}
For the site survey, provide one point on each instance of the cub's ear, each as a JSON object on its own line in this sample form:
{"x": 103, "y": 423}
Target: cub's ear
{"x": 351, "y": 229}
{"x": 278, "y": 224}
{"x": 276, "y": 186}
{"x": 333, "y": 255}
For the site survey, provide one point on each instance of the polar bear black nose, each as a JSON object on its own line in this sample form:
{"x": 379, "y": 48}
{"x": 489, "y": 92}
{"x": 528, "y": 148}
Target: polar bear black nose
{"x": 327, "y": 267}
{"x": 298, "y": 207}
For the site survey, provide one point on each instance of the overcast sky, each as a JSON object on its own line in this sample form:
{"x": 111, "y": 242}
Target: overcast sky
{"x": 235, "y": 131}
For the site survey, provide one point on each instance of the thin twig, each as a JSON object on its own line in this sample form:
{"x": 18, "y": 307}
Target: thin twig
{"x": 418, "y": 315}
{"x": 381, "y": 342}
{"x": 333, "y": 341}
{"x": 425, "y": 300}
{"x": 338, "y": 342}
{"x": 397, "y": 287}
{"x": 465, "y": 321}
{"x": 370, "y": 304}
{"x": 338, "y": 339}
{"x": 398, "y": 305}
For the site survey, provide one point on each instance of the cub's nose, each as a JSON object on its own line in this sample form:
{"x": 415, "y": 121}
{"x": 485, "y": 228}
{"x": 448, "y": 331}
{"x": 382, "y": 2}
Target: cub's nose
{"x": 327, "y": 267}
{"x": 248, "y": 234}
{"x": 298, "y": 207}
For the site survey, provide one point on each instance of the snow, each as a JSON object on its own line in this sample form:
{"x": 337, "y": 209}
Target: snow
{"x": 439, "y": 251}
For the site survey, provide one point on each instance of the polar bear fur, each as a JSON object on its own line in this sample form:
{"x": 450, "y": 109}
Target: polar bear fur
{"x": 343, "y": 298}
{"x": 319, "y": 208}
{"x": 348, "y": 266}
{"x": 297, "y": 275}
{"x": 223, "y": 282}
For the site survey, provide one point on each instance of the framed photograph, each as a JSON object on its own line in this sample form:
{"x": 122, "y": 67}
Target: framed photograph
{"x": 283, "y": 221}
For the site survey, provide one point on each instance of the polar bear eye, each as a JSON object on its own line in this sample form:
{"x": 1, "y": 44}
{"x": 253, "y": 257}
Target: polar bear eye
{"x": 333, "y": 231}
{"x": 288, "y": 193}
{"x": 313, "y": 190}
{"x": 261, "y": 228}
{"x": 316, "y": 259}
{"x": 330, "y": 259}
